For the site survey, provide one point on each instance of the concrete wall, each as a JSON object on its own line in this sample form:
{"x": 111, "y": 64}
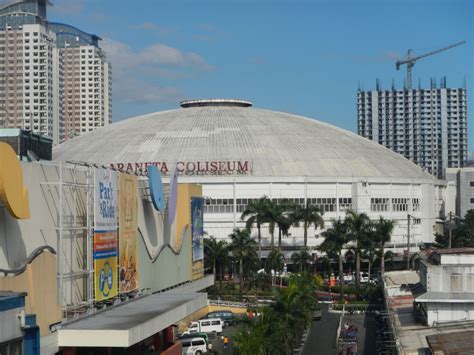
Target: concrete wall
{"x": 449, "y": 312}
{"x": 440, "y": 278}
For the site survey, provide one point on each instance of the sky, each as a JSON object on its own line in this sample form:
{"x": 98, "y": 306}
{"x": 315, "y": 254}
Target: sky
{"x": 302, "y": 57}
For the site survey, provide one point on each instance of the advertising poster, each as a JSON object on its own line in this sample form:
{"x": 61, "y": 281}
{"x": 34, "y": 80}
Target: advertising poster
{"x": 105, "y": 196}
{"x": 197, "y": 227}
{"x": 105, "y": 265}
{"x": 128, "y": 248}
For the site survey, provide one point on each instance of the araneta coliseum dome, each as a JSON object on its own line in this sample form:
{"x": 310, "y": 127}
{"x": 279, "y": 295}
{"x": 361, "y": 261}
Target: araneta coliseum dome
{"x": 239, "y": 153}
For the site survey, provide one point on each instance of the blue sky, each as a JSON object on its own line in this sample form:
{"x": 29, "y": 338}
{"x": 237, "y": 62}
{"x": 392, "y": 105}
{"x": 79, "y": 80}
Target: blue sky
{"x": 303, "y": 57}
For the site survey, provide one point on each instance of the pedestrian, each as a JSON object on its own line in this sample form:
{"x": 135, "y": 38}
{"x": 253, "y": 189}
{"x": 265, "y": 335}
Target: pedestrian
{"x": 226, "y": 342}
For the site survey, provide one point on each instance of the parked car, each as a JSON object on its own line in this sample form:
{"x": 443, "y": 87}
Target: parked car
{"x": 364, "y": 277}
{"x": 196, "y": 335}
{"x": 226, "y": 316}
{"x": 194, "y": 346}
{"x": 205, "y": 326}
{"x": 347, "y": 278}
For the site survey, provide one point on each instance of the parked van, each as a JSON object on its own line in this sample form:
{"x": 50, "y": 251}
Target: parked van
{"x": 226, "y": 316}
{"x": 194, "y": 346}
{"x": 205, "y": 326}
{"x": 196, "y": 335}
{"x": 364, "y": 277}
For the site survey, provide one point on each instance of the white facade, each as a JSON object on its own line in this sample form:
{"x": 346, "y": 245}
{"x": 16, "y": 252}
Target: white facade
{"x": 427, "y": 126}
{"x": 390, "y": 199}
{"x": 449, "y": 282}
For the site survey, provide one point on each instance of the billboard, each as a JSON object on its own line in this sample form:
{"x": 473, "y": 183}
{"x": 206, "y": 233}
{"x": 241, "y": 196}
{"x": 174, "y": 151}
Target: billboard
{"x": 128, "y": 248}
{"x": 197, "y": 227}
{"x": 105, "y": 196}
{"x": 105, "y": 264}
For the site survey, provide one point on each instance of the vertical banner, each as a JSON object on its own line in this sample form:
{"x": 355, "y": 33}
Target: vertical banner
{"x": 128, "y": 224}
{"x": 105, "y": 205}
{"x": 197, "y": 227}
{"x": 105, "y": 265}
{"x": 105, "y": 234}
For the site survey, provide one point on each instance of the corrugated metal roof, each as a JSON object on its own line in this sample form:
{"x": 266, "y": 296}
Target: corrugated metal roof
{"x": 452, "y": 343}
{"x": 277, "y": 144}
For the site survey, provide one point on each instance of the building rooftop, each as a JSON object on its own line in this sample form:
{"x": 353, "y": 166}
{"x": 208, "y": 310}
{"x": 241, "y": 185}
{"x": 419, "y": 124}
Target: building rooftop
{"x": 452, "y": 343}
{"x": 275, "y": 144}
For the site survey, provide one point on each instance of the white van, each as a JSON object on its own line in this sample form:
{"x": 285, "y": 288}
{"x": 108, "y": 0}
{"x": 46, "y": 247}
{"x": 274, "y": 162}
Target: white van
{"x": 213, "y": 325}
{"x": 194, "y": 346}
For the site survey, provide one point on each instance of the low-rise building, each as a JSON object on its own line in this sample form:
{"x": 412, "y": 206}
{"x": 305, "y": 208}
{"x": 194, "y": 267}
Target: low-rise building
{"x": 448, "y": 278}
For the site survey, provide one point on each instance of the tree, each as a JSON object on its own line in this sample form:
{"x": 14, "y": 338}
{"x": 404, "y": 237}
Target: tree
{"x": 275, "y": 261}
{"x": 308, "y": 215}
{"x": 462, "y": 233}
{"x": 255, "y": 213}
{"x": 242, "y": 247}
{"x": 383, "y": 230}
{"x": 216, "y": 253}
{"x": 274, "y": 217}
{"x": 358, "y": 225}
{"x": 334, "y": 240}
{"x": 301, "y": 259}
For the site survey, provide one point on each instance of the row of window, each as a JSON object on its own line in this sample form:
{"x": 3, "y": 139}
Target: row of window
{"x": 382, "y": 204}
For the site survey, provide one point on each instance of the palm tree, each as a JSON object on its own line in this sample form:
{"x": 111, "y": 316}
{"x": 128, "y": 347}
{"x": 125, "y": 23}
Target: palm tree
{"x": 384, "y": 228}
{"x": 275, "y": 261}
{"x": 284, "y": 223}
{"x": 358, "y": 225}
{"x": 308, "y": 215}
{"x": 242, "y": 247}
{"x": 301, "y": 259}
{"x": 255, "y": 214}
{"x": 369, "y": 246}
{"x": 334, "y": 240}
{"x": 273, "y": 216}
{"x": 216, "y": 252}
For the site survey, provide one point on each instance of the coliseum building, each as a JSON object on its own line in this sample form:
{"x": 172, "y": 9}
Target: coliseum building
{"x": 239, "y": 153}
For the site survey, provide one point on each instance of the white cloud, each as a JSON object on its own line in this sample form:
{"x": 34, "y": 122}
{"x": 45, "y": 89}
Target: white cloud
{"x": 153, "y": 27}
{"x": 134, "y": 72}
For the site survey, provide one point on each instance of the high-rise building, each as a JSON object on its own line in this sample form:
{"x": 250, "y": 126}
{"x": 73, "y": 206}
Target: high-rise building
{"x": 54, "y": 78}
{"x": 87, "y": 86}
{"x": 427, "y": 126}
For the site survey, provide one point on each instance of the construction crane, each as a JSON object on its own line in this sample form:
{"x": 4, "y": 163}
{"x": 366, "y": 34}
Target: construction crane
{"x": 410, "y": 61}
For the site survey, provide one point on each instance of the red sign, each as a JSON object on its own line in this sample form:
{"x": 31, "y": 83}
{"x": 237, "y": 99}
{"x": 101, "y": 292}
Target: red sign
{"x": 213, "y": 167}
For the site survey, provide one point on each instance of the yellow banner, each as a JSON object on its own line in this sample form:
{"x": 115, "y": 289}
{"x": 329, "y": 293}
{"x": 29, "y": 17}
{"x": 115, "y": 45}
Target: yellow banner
{"x": 128, "y": 225}
{"x": 105, "y": 265}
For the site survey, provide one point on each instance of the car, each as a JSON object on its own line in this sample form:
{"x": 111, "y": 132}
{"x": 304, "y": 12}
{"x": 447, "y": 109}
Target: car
{"x": 194, "y": 346}
{"x": 317, "y": 313}
{"x": 196, "y": 335}
{"x": 226, "y": 316}
{"x": 347, "y": 278}
{"x": 213, "y": 325}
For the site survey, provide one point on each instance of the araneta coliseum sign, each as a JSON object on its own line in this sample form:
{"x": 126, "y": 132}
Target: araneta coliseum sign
{"x": 212, "y": 167}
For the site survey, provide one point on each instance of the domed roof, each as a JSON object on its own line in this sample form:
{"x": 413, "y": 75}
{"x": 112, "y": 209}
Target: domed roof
{"x": 276, "y": 144}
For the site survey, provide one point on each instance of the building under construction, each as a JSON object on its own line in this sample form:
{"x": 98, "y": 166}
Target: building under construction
{"x": 427, "y": 126}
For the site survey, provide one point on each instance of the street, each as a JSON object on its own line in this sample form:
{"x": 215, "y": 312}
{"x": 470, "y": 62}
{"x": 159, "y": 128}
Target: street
{"x": 322, "y": 336}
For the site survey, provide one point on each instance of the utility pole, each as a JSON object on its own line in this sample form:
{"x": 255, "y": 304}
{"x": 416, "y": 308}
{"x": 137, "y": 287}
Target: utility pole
{"x": 408, "y": 243}
{"x": 450, "y": 228}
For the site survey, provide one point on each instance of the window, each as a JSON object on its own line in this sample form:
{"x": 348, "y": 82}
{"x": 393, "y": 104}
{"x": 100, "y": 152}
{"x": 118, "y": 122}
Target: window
{"x": 471, "y": 183}
{"x": 197, "y": 342}
{"x": 345, "y": 203}
{"x": 205, "y": 324}
{"x": 472, "y": 200}
{"x": 215, "y": 322}
{"x": 456, "y": 282}
{"x": 470, "y": 283}
{"x": 379, "y": 204}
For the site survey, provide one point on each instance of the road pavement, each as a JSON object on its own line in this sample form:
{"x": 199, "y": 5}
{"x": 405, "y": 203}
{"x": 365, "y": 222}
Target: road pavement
{"x": 322, "y": 336}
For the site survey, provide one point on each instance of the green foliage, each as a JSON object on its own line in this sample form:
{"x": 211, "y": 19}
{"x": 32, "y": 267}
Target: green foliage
{"x": 462, "y": 233}
{"x": 281, "y": 325}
